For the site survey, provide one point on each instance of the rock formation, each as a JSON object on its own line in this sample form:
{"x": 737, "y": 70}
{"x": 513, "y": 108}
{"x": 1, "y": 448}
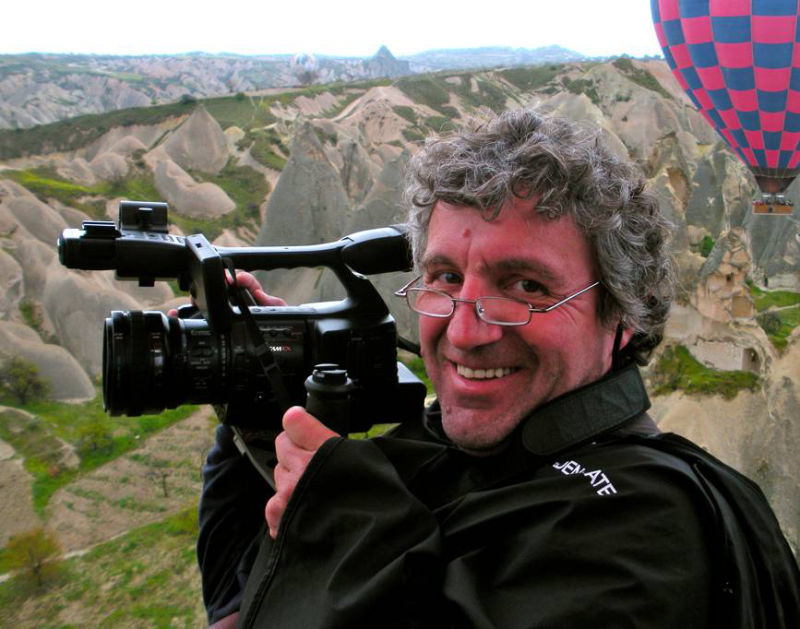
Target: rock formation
{"x": 345, "y": 152}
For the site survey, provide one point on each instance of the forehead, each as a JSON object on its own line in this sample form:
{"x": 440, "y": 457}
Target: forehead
{"x": 517, "y": 237}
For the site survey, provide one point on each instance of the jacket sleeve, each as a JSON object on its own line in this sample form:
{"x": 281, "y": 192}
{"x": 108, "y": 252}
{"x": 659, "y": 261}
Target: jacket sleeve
{"x": 231, "y": 520}
{"x": 354, "y": 549}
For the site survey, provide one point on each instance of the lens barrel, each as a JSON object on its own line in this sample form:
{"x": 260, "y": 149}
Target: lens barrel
{"x": 152, "y": 362}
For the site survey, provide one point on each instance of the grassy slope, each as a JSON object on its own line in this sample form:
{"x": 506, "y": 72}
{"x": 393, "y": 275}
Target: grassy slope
{"x": 146, "y": 578}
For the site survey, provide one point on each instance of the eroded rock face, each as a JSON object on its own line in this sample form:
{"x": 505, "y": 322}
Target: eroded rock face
{"x": 66, "y": 379}
{"x": 11, "y": 279}
{"x": 186, "y": 196}
{"x": 344, "y": 173}
{"x": 722, "y": 292}
{"x": 78, "y": 305}
{"x": 38, "y": 220}
{"x": 198, "y": 144}
{"x": 756, "y": 432}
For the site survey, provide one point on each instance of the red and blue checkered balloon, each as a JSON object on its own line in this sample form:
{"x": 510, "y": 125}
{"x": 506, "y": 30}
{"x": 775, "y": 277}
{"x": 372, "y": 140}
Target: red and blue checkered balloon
{"x": 739, "y": 62}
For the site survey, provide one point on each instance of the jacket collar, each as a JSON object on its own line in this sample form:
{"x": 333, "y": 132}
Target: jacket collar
{"x": 586, "y": 413}
{"x": 575, "y": 417}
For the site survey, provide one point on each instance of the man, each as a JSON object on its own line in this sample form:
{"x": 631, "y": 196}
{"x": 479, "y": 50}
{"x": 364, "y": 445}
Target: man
{"x": 525, "y": 497}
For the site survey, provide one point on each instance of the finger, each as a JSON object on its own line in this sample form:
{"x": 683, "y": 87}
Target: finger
{"x": 287, "y": 453}
{"x": 305, "y": 430}
{"x": 273, "y": 513}
{"x": 292, "y": 461}
{"x": 249, "y": 282}
{"x": 172, "y": 312}
{"x": 285, "y": 481}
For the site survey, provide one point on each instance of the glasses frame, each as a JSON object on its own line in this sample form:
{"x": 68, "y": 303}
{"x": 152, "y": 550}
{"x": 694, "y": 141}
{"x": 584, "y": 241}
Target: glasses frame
{"x": 405, "y": 290}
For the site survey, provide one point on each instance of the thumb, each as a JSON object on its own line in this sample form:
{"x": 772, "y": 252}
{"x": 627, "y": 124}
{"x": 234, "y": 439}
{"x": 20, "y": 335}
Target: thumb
{"x": 305, "y": 430}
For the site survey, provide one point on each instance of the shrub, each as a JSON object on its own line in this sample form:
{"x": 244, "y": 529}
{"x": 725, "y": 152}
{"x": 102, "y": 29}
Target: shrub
{"x": 32, "y": 554}
{"x": 706, "y": 245}
{"x": 20, "y": 379}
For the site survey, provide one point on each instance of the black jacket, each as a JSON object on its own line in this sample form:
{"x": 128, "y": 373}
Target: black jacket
{"x": 578, "y": 522}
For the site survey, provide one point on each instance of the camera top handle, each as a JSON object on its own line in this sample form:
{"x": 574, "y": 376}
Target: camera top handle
{"x": 140, "y": 248}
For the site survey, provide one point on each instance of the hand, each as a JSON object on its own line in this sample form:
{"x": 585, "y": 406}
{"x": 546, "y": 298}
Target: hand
{"x": 302, "y": 436}
{"x": 249, "y": 282}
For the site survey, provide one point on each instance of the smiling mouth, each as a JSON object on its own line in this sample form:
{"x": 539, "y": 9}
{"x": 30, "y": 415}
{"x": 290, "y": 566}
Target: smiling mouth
{"x": 483, "y": 374}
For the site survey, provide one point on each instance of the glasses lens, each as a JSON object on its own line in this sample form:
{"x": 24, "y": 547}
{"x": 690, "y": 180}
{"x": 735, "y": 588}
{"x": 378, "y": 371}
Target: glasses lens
{"x": 429, "y": 302}
{"x": 503, "y": 311}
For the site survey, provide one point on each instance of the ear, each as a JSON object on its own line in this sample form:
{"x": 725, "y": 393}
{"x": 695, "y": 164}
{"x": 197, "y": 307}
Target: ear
{"x": 621, "y": 338}
{"x": 627, "y": 334}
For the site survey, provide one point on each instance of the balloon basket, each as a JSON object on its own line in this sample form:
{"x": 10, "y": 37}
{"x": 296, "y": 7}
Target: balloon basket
{"x": 775, "y": 204}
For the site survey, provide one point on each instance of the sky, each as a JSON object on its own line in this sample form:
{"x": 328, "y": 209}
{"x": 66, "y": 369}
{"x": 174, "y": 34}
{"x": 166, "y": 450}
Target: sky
{"x": 349, "y": 28}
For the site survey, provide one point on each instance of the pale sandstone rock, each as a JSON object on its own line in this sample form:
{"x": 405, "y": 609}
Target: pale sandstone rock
{"x": 66, "y": 379}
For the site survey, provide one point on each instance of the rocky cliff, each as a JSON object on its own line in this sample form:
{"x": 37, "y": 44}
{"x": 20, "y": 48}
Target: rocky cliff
{"x": 314, "y": 164}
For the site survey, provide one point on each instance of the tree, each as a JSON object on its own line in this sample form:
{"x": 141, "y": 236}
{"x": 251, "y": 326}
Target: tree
{"x": 21, "y": 379}
{"x": 93, "y": 437}
{"x": 161, "y": 474}
{"x": 33, "y": 553}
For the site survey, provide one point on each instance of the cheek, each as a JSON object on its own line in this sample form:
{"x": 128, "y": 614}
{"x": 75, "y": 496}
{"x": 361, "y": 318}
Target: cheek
{"x": 430, "y": 330}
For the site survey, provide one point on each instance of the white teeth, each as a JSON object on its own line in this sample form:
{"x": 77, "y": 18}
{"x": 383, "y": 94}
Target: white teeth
{"x": 482, "y": 374}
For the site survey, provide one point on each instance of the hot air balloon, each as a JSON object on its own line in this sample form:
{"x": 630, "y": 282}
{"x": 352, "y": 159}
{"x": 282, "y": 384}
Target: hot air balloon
{"x": 304, "y": 66}
{"x": 739, "y": 62}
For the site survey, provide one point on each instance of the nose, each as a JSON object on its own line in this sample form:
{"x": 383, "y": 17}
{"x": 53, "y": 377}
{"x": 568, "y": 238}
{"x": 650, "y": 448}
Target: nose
{"x": 466, "y": 330}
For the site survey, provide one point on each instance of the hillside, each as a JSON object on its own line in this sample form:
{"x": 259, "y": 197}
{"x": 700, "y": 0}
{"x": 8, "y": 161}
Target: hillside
{"x": 313, "y": 163}
{"x": 38, "y": 89}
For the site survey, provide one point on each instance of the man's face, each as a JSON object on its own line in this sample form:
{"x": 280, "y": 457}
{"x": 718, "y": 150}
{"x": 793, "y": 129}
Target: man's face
{"x": 488, "y": 377}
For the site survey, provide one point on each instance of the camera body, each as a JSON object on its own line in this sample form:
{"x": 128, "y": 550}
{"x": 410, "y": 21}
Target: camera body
{"x": 208, "y": 355}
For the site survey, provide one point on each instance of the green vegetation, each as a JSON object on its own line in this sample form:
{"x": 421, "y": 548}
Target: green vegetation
{"x": 245, "y": 186}
{"x": 413, "y": 135}
{"x": 488, "y": 94}
{"x": 47, "y": 184}
{"x": 531, "y": 77}
{"x": 677, "y": 369}
{"x": 20, "y": 379}
{"x": 417, "y": 367}
{"x": 31, "y": 554}
{"x": 439, "y": 124}
{"x": 262, "y": 143}
{"x": 424, "y": 89}
{"x": 778, "y": 313}
{"x": 706, "y": 245}
{"x": 406, "y": 112}
{"x": 640, "y": 77}
{"x": 79, "y": 131}
{"x": 583, "y": 86}
{"x": 239, "y": 111}
{"x": 146, "y": 578}
{"x": 35, "y": 431}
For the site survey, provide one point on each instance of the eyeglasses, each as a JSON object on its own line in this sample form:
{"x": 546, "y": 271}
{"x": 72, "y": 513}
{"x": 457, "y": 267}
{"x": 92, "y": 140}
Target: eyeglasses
{"x": 495, "y": 310}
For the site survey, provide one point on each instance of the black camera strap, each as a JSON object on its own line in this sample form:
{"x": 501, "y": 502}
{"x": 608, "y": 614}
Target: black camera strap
{"x": 266, "y": 358}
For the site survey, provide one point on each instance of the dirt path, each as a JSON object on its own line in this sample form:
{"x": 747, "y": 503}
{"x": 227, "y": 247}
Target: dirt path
{"x": 130, "y": 491}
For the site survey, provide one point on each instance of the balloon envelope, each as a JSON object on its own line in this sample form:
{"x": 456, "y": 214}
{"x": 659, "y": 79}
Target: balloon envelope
{"x": 739, "y": 62}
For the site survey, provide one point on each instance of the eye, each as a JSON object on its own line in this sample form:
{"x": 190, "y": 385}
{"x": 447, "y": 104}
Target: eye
{"x": 528, "y": 287}
{"x": 442, "y": 280}
{"x": 530, "y": 291}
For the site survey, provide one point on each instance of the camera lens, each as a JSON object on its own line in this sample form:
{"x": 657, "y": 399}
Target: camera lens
{"x": 152, "y": 362}
{"x": 138, "y": 351}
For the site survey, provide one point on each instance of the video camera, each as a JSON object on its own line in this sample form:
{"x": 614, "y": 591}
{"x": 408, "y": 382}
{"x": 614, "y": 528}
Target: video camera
{"x": 237, "y": 355}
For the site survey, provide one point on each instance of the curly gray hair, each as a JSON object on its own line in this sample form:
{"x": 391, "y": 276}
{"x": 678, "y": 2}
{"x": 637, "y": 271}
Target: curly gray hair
{"x": 523, "y": 154}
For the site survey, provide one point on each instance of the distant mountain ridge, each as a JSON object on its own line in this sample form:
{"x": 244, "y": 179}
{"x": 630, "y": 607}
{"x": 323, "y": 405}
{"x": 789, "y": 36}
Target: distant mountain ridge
{"x": 488, "y": 57}
{"x": 40, "y": 88}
